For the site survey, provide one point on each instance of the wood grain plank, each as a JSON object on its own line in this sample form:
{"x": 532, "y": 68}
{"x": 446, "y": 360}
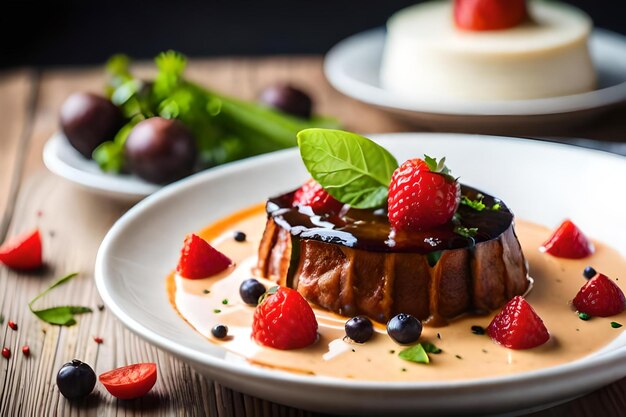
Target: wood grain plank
{"x": 73, "y": 223}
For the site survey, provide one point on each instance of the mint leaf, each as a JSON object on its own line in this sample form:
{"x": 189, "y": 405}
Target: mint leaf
{"x": 351, "y": 168}
{"x": 62, "y": 315}
{"x": 414, "y": 354}
{"x": 431, "y": 348}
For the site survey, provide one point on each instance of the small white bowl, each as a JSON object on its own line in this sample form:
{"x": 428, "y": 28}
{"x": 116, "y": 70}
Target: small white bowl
{"x": 66, "y": 162}
{"x": 542, "y": 182}
{"x": 352, "y": 67}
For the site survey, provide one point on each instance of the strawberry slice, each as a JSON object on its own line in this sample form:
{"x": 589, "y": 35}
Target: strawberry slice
{"x": 517, "y": 326}
{"x": 568, "y": 242}
{"x": 284, "y": 320}
{"x": 313, "y": 195}
{"x": 22, "y": 251}
{"x": 198, "y": 259}
{"x": 489, "y": 14}
{"x": 601, "y": 297}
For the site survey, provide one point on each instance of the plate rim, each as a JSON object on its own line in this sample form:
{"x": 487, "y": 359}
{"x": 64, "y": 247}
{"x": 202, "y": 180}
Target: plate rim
{"x": 335, "y": 59}
{"x": 604, "y": 362}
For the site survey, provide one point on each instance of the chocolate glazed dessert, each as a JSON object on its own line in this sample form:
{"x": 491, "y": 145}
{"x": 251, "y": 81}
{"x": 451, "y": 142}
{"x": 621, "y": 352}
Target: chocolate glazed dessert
{"x": 354, "y": 263}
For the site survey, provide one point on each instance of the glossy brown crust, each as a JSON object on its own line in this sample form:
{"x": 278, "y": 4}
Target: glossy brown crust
{"x": 352, "y": 281}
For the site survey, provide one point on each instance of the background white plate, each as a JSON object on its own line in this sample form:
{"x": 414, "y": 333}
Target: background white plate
{"x": 65, "y": 161}
{"x": 352, "y": 67}
{"x": 542, "y": 182}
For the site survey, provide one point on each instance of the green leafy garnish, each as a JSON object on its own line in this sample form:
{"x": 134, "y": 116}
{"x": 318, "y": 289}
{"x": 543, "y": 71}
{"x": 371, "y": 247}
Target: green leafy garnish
{"x": 217, "y": 311}
{"x": 437, "y": 166}
{"x": 466, "y": 231}
{"x": 584, "y": 316}
{"x": 62, "y": 315}
{"x": 477, "y": 205}
{"x": 225, "y": 301}
{"x": 351, "y": 168}
{"x": 414, "y": 354}
{"x": 431, "y": 348}
{"x": 616, "y": 325}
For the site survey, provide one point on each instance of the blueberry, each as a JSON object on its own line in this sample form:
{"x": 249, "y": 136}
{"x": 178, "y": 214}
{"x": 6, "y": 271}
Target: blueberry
{"x": 288, "y": 99}
{"x": 76, "y": 379}
{"x": 239, "y": 236}
{"x": 219, "y": 331}
{"x": 404, "y": 328}
{"x": 359, "y": 329}
{"x": 250, "y": 291}
{"x": 589, "y": 272}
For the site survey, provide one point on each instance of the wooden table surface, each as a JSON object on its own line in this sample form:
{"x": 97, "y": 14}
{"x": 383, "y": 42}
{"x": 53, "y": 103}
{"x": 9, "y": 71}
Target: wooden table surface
{"x": 73, "y": 223}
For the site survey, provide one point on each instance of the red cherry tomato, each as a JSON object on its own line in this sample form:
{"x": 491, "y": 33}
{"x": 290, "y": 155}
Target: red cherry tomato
{"x": 23, "y": 251}
{"x": 129, "y": 382}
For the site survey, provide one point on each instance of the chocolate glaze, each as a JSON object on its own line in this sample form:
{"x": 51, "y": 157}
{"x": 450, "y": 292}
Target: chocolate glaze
{"x": 370, "y": 229}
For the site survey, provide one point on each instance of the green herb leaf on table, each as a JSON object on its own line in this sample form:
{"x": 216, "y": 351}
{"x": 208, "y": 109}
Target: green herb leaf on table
{"x": 350, "y": 167}
{"x": 61, "y": 315}
{"x": 415, "y": 354}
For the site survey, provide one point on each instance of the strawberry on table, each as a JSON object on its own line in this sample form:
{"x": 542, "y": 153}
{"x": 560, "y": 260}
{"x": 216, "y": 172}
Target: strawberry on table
{"x": 284, "y": 320}
{"x": 313, "y": 195}
{"x": 422, "y": 195}
{"x": 517, "y": 326}
{"x": 198, "y": 259}
{"x": 22, "y": 251}
{"x": 568, "y": 241}
{"x": 489, "y": 14}
{"x": 601, "y": 297}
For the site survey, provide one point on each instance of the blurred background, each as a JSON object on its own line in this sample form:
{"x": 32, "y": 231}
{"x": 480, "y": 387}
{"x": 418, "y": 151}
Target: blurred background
{"x": 52, "y": 33}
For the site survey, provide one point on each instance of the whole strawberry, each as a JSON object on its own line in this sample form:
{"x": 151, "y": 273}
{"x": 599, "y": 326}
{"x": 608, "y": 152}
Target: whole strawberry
{"x": 422, "y": 195}
{"x": 568, "y": 241}
{"x": 313, "y": 195}
{"x": 198, "y": 259}
{"x": 517, "y": 326}
{"x": 601, "y": 297}
{"x": 284, "y": 320}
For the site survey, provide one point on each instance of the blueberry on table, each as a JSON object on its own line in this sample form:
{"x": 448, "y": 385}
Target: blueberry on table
{"x": 251, "y": 290}
{"x": 219, "y": 331}
{"x": 359, "y": 329}
{"x": 87, "y": 120}
{"x": 160, "y": 150}
{"x": 404, "y": 328}
{"x": 76, "y": 379}
{"x": 288, "y": 99}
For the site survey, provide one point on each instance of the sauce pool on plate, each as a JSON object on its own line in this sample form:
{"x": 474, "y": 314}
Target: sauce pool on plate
{"x": 204, "y": 303}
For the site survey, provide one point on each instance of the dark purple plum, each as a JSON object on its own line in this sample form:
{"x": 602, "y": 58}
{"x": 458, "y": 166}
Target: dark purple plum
{"x": 160, "y": 150}
{"x": 87, "y": 120}
{"x": 288, "y": 99}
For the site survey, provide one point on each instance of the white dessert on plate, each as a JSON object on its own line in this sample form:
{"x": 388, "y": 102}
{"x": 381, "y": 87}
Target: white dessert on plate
{"x": 427, "y": 56}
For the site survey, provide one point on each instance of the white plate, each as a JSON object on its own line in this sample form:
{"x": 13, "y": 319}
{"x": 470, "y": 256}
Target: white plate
{"x": 548, "y": 182}
{"x": 352, "y": 67}
{"x": 66, "y": 162}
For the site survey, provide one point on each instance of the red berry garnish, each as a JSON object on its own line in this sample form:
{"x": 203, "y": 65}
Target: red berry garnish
{"x": 489, "y": 14}
{"x": 284, "y": 320}
{"x": 517, "y": 326}
{"x": 6, "y": 353}
{"x": 12, "y": 325}
{"x": 26, "y": 350}
{"x": 422, "y": 195}
{"x": 23, "y": 251}
{"x": 313, "y": 195}
{"x": 198, "y": 259}
{"x": 568, "y": 242}
{"x": 601, "y": 297}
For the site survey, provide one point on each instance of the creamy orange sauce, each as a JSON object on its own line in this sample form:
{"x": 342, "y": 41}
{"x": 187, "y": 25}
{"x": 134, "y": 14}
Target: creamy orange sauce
{"x": 206, "y": 302}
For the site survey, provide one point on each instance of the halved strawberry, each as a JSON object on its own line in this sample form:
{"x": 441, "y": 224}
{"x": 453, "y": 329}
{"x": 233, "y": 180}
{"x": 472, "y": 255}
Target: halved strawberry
{"x": 313, "y": 195}
{"x": 22, "y": 251}
{"x": 568, "y": 242}
{"x": 517, "y": 326}
{"x": 489, "y": 14}
{"x": 198, "y": 259}
{"x": 284, "y": 320}
{"x": 601, "y": 297}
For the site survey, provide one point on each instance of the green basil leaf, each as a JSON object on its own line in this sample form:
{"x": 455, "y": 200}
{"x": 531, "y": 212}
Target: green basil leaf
{"x": 62, "y": 315}
{"x": 431, "y": 348}
{"x": 351, "y": 168}
{"x": 414, "y": 354}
